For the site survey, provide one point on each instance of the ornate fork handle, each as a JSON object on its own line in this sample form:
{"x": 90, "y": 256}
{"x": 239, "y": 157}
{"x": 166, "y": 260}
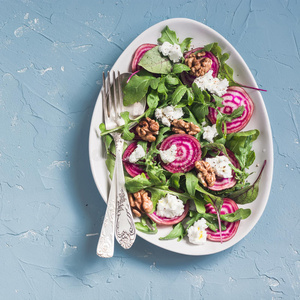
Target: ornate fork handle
{"x": 118, "y": 216}
{"x": 125, "y": 228}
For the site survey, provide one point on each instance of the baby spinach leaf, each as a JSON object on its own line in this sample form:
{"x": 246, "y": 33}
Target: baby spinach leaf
{"x": 172, "y": 79}
{"x": 154, "y": 62}
{"x": 152, "y": 99}
{"x": 168, "y": 35}
{"x": 136, "y": 89}
{"x": 200, "y": 204}
{"x": 179, "y": 68}
{"x": 177, "y": 232}
{"x": 249, "y": 193}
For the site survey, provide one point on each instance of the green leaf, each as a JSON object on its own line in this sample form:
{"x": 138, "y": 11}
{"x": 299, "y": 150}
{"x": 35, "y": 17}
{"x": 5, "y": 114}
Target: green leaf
{"x": 137, "y": 183}
{"x": 191, "y": 181}
{"x": 185, "y": 45}
{"x": 126, "y": 135}
{"x": 154, "y": 62}
{"x": 152, "y": 99}
{"x": 179, "y": 68}
{"x": 178, "y": 94}
{"x": 177, "y": 232}
{"x": 146, "y": 226}
{"x": 136, "y": 89}
{"x": 172, "y": 79}
{"x": 249, "y": 193}
{"x": 110, "y": 164}
{"x": 200, "y": 205}
{"x": 156, "y": 194}
{"x": 162, "y": 134}
{"x": 167, "y": 35}
{"x": 174, "y": 180}
{"x": 239, "y": 214}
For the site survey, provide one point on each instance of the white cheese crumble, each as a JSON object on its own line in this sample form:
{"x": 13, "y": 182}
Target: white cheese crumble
{"x": 169, "y": 155}
{"x": 173, "y": 51}
{"x": 197, "y": 233}
{"x": 212, "y": 84}
{"x": 170, "y": 207}
{"x": 209, "y": 132}
{"x": 220, "y": 165}
{"x": 167, "y": 114}
{"x": 137, "y": 154}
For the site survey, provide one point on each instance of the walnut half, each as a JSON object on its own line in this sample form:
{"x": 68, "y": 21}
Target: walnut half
{"x": 206, "y": 174}
{"x": 140, "y": 202}
{"x": 180, "y": 126}
{"x": 146, "y": 129}
{"x": 198, "y": 64}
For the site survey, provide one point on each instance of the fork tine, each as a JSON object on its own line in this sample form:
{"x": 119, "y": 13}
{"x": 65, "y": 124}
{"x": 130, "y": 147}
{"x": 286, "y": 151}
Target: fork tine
{"x": 104, "y": 97}
{"x": 109, "y": 94}
{"x": 120, "y": 95}
{"x": 115, "y": 97}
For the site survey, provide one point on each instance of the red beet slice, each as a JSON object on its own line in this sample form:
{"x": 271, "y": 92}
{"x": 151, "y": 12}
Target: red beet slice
{"x": 131, "y": 168}
{"x": 139, "y": 53}
{"x": 233, "y": 98}
{"x": 226, "y": 183}
{"x": 189, "y": 79}
{"x": 188, "y": 152}
{"x": 228, "y": 207}
{"x": 167, "y": 221}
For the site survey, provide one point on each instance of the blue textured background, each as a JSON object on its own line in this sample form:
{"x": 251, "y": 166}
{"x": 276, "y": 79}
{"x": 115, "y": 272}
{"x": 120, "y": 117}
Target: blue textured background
{"x": 52, "y": 54}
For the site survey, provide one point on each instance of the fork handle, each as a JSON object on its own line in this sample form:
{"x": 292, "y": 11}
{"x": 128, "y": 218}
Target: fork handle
{"x": 125, "y": 229}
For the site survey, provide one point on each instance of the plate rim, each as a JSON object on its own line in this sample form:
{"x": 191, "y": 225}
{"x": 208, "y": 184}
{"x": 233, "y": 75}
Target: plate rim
{"x": 270, "y": 162}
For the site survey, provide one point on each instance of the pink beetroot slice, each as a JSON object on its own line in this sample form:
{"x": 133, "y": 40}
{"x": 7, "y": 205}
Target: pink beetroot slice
{"x": 132, "y": 168}
{"x": 188, "y": 152}
{"x": 226, "y": 183}
{"x": 233, "y": 98}
{"x": 228, "y": 207}
{"x": 167, "y": 221}
{"x": 139, "y": 53}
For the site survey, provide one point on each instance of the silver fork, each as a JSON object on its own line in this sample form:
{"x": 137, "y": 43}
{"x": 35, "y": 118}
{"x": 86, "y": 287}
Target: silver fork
{"x": 118, "y": 218}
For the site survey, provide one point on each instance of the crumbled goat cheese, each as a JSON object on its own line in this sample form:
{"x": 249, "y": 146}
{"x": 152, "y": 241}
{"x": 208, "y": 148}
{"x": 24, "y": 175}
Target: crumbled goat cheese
{"x": 169, "y": 155}
{"x": 170, "y": 207}
{"x": 220, "y": 165}
{"x": 138, "y": 153}
{"x": 173, "y": 51}
{"x": 212, "y": 84}
{"x": 209, "y": 132}
{"x": 197, "y": 233}
{"x": 167, "y": 114}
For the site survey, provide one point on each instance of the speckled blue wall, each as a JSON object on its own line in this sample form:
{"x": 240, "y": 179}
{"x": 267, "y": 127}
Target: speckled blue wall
{"x": 52, "y": 54}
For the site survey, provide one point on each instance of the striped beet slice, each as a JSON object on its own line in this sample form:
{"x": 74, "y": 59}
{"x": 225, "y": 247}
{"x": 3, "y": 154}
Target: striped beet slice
{"x": 167, "y": 221}
{"x": 226, "y": 183}
{"x": 233, "y": 98}
{"x": 139, "y": 53}
{"x": 131, "y": 168}
{"x": 187, "y": 153}
{"x": 228, "y": 207}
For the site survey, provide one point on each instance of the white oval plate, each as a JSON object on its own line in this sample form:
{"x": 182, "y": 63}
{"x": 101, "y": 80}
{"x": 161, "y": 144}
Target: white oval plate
{"x": 263, "y": 147}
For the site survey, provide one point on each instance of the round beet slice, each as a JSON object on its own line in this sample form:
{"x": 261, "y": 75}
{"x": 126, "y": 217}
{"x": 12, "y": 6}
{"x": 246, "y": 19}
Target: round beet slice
{"x": 234, "y": 97}
{"x": 167, "y": 221}
{"x": 226, "y": 183}
{"x": 139, "y": 53}
{"x": 228, "y": 207}
{"x": 188, "y": 152}
{"x": 131, "y": 168}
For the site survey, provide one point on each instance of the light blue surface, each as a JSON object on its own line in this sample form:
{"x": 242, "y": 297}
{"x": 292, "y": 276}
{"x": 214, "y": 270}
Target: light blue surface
{"x": 52, "y": 54}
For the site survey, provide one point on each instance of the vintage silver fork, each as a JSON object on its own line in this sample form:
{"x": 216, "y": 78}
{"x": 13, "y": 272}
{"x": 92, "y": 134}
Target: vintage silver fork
{"x": 118, "y": 218}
